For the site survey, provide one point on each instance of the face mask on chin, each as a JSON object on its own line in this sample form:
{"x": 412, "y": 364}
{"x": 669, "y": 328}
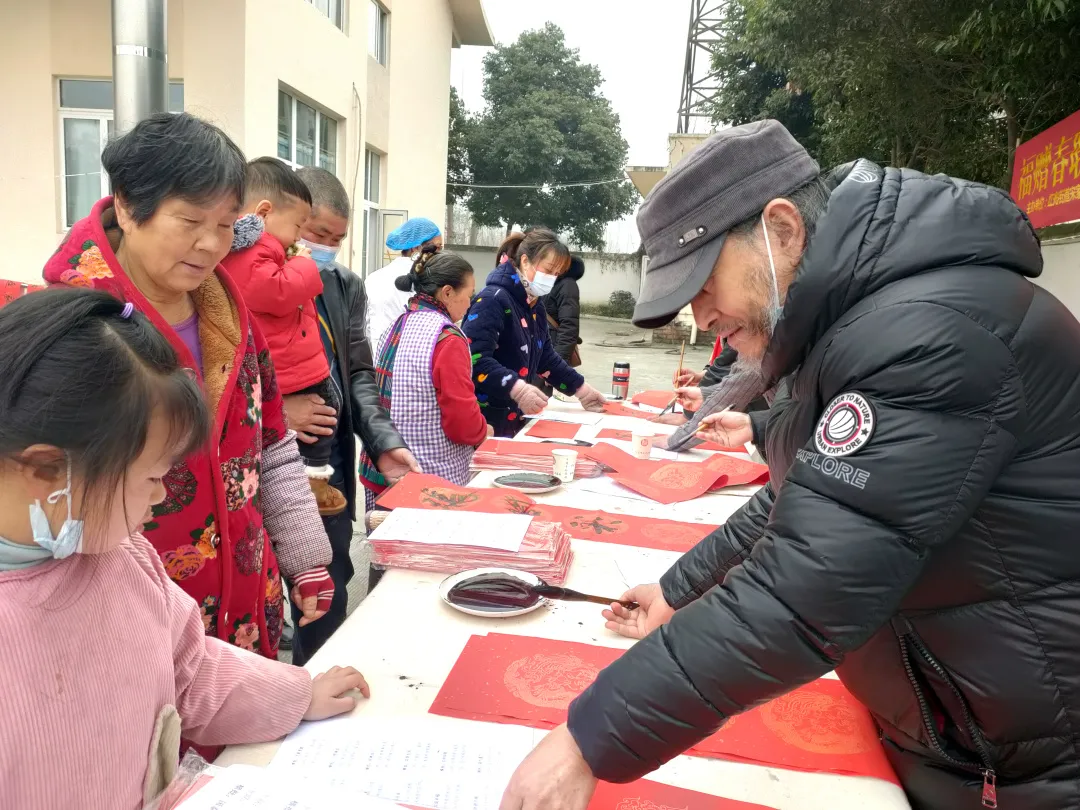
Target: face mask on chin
{"x": 775, "y": 308}
{"x": 69, "y": 540}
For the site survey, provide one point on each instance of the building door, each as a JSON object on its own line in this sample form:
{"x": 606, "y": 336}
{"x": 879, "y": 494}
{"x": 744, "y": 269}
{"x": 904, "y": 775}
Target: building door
{"x": 379, "y": 223}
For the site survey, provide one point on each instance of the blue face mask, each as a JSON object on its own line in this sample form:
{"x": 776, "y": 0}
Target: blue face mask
{"x": 70, "y": 538}
{"x": 320, "y": 254}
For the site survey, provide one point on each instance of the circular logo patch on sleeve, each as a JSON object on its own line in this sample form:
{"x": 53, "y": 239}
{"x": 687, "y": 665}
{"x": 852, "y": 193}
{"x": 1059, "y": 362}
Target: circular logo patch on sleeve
{"x": 846, "y": 426}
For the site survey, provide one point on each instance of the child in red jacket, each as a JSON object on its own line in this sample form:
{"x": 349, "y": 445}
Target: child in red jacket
{"x": 280, "y": 293}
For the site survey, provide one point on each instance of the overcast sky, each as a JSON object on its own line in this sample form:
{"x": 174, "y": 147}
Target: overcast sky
{"x": 639, "y": 46}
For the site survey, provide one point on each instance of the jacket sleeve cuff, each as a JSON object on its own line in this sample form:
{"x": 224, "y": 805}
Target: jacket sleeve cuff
{"x": 678, "y": 590}
{"x": 587, "y": 725}
{"x": 758, "y": 421}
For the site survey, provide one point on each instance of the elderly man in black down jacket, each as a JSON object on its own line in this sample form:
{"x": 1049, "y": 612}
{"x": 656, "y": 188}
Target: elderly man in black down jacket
{"x": 921, "y": 534}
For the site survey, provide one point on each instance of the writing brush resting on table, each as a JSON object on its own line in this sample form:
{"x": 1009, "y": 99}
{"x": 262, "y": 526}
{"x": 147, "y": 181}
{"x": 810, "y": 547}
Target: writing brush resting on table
{"x": 502, "y": 590}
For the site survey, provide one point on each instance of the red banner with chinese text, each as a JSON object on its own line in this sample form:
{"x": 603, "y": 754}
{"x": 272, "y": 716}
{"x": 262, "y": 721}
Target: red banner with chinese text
{"x": 1046, "y": 174}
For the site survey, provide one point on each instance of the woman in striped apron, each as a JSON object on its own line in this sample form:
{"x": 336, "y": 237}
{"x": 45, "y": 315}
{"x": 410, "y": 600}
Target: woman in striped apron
{"x": 424, "y": 372}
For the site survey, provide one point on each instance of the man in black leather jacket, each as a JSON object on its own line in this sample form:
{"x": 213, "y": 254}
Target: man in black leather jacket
{"x": 342, "y": 311}
{"x": 921, "y": 531}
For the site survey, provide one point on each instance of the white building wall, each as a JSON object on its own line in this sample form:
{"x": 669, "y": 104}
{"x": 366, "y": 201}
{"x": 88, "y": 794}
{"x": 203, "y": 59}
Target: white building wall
{"x": 232, "y": 57}
{"x": 1061, "y": 272}
{"x": 604, "y": 273}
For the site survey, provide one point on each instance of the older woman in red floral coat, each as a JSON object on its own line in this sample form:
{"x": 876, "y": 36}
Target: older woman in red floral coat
{"x": 239, "y": 513}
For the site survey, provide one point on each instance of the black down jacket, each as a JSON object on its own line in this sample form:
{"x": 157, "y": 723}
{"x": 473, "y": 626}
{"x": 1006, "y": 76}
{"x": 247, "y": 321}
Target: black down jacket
{"x": 932, "y": 561}
{"x": 563, "y": 304}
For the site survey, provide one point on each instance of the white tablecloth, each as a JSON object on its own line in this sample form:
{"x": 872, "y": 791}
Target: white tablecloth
{"x": 405, "y": 641}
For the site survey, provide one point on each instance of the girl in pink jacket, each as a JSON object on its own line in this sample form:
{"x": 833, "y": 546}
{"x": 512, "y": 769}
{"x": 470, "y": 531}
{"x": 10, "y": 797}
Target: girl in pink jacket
{"x": 105, "y": 658}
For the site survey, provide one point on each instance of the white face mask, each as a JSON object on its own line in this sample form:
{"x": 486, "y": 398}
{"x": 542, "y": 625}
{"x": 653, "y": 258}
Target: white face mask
{"x": 541, "y": 284}
{"x": 70, "y": 538}
{"x": 775, "y": 309}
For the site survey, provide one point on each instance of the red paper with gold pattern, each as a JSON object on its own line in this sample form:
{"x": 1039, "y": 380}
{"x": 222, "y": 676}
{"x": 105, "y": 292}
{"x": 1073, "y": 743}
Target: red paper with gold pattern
{"x": 10, "y": 290}
{"x": 737, "y": 470}
{"x": 418, "y": 491}
{"x": 521, "y": 680}
{"x": 663, "y": 481}
{"x": 646, "y": 795}
{"x": 550, "y": 429}
{"x": 628, "y": 436}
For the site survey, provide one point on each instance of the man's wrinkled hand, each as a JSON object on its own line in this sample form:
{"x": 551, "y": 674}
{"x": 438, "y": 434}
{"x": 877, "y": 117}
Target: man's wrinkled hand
{"x": 727, "y": 428}
{"x": 553, "y": 777}
{"x": 690, "y": 399}
{"x": 310, "y": 417}
{"x": 688, "y": 377}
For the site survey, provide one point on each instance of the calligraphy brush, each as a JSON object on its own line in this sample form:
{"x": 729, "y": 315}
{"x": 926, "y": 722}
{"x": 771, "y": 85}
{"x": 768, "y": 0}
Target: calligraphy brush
{"x": 671, "y": 405}
{"x": 702, "y": 428}
{"x": 568, "y": 595}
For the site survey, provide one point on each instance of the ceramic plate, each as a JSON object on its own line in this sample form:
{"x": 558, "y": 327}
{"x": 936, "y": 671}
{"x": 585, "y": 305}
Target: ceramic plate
{"x": 490, "y": 613}
{"x": 531, "y": 482}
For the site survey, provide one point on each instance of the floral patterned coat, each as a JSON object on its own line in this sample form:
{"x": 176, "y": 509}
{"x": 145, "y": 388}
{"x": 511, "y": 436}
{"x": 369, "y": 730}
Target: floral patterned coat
{"x": 209, "y": 529}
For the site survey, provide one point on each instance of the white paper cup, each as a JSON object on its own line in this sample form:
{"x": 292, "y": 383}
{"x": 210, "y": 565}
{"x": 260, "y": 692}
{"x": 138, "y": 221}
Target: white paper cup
{"x": 565, "y": 462}
{"x": 642, "y": 444}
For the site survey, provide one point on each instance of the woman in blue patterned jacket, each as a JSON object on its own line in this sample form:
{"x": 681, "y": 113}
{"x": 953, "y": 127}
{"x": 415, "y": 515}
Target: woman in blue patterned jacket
{"x": 507, "y": 329}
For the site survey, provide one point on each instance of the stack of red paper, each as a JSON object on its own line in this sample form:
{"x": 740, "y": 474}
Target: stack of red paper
{"x": 545, "y": 552}
{"x": 505, "y": 454}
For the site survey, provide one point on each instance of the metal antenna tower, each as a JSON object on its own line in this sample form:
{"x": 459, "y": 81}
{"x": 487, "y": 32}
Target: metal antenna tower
{"x": 700, "y": 83}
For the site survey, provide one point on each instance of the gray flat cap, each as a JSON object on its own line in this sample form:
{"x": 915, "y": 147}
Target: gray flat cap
{"x": 728, "y": 179}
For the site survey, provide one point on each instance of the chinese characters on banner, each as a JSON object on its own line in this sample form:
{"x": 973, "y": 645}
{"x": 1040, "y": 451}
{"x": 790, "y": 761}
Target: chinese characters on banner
{"x": 1046, "y": 174}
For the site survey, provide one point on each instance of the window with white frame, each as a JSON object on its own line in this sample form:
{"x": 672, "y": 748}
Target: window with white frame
{"x": 372, "y": 196}
{"x": 333, "y": 9}
{"x": 372, "y": 176}
{"x": 86, "y": 124}
{"x": 378, "y": 32}
{"x": 306, "y": 136}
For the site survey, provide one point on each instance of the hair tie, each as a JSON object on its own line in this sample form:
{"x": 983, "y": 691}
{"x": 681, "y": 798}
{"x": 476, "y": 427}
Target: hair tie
{"x": 125, "y": 313}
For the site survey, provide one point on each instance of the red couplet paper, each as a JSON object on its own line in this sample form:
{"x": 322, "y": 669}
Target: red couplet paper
{"x": 550, "y": 429}
{"x": 521, "y": 680}
{"x": 654, "y": 399}
{"x": 618, "y": 409}
{"x": 646, "y": 795}
{"x": 508, "y": 447}
{"x": 663, "y": 481}
{"x": 738, "y": 471}
{"x": 627, "y": 436}
{"x": 417, "y": 491}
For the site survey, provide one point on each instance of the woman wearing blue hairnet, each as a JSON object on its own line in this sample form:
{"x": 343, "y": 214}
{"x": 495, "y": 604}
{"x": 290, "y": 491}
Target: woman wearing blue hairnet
{"x": 385, "y": 301}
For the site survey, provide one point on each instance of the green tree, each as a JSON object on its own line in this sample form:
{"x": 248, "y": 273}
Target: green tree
{"x": 937, "y": 85}
{"x": 546, "y": 124}
{"x": 752, "y": 90}
{"x": 1024, "y": 64}
{"x": 457, "y": 151}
